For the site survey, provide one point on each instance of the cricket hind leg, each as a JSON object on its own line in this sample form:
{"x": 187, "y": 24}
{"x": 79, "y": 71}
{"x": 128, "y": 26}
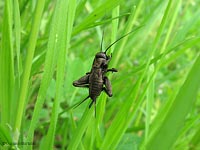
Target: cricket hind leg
{"x": 108, "y": 87}
{"x": 82, "y": 82}
{"x": 112, "y": 70}
{"x": 77, "y": 104}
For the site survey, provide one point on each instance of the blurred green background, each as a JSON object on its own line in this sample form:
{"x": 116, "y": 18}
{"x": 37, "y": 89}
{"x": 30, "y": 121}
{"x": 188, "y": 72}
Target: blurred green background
{"x": 46, "y": 45}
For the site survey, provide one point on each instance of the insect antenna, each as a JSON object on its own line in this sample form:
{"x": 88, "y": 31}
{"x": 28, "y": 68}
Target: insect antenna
{"x": 121, "y": 38}
{"x": 102, "y": 41}
{"x": 77, "y": 104}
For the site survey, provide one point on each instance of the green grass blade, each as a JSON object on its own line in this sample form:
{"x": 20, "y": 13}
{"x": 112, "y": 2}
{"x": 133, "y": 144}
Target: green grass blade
{"x": 180, "y": 107}
{"x": 83, "y": 124}
{"x": 179, "y": 49}
{"x": 6, "y": 65}
{"x": 17, "y": 30}
{"x": 99, "y": 12}
{"x": 68, "y": 9}
{"x": 104, "y": 22}
{"x": 172, "y": 24}
{"x": 96, "y": 14}
{"x": 150, "y": 91}
{"x": 115, "y": 24}
{"x": 28, "y": 64}
{"x": 128, "y": 28}
{"x": 195, "y": 143}
{"x": 5, "y": 136}
{"x": 120, "y": 123}
{"x": 17, "y": 38}
{"x": 50, "y": 61}
{"x": 102, "y": 102}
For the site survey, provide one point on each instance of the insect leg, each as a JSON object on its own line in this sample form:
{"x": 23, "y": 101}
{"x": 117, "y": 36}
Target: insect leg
{"x": 112, "y": 70}
{"x": 93, "y": 101}
{"x": 77, "y": 104}
{"x": 108, "y": 87}
{"x": 91, "y": 104}
{"x": 82, "y": 82}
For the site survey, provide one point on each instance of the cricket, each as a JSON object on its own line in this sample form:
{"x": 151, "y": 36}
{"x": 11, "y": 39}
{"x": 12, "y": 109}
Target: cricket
{"x": 96, "y": 80}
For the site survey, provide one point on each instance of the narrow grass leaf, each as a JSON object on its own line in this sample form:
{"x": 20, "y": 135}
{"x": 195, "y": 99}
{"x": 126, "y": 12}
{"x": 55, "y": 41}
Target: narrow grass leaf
{"x": 173, "y": 52}
{"x": 150, "y": 91}
{"x": 50, "y": 61}
{"x": 17, "y": 31}
{"x": 28, "y": 64}
{"x": 180, "y": 107}
{"x": 96, "y": 14}
{"x": 128, "y": 28}
{"x": 115, "y": 24}
{"x": 82, "y": 126}
{"x": 194, "y": 142}
{"x": 120, "y": 123}
{"x": 6, "y": 64}
{"x": 106, "y": 21}
{"x": 68, "y": 9}
{"x": 5, "y": 136}
{"x": 17, "y": 38}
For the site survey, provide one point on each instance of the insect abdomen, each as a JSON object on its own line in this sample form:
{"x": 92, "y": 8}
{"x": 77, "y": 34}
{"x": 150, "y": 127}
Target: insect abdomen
{"x": 95, "y": 89}
{"x": 95, "y": 84}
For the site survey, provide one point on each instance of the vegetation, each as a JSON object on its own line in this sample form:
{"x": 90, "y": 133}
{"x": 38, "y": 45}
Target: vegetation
{"x": 46, "y": 45}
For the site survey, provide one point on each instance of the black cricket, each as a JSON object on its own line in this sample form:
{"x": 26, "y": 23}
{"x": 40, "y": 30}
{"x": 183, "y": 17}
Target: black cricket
{"x": 96, "y": 80}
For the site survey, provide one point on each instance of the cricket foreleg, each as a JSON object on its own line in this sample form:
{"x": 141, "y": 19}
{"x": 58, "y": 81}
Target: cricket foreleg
{"x": 82, "y": 82}
{"x": 112, "y": 70}
{"x": 108, "y": 87}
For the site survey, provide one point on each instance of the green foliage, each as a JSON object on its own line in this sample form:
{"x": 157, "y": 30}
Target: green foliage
{"x": 46, "y": 45}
